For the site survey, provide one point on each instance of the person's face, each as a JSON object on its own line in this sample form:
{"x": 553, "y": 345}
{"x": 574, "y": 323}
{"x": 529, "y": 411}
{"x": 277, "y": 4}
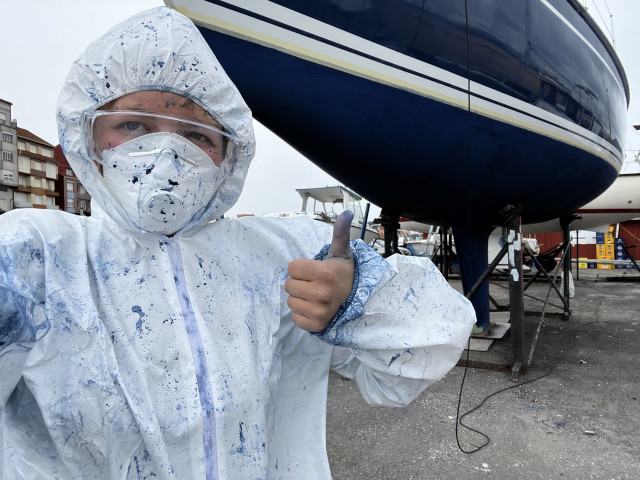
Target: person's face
{"x": 187, "y": 119}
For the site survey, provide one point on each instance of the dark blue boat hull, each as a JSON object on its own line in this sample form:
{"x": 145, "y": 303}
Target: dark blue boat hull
{"x": 542, "y": 129}
{"x": 411, "y": 155}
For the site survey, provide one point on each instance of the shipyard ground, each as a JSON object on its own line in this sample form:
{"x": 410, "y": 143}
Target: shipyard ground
{"x": 577, "y": 418}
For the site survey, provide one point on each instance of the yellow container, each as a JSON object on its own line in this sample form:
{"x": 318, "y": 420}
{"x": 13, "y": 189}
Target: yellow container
{"x": 605, "y": 266}
{"x": 582, "y": 264}
{"x": 608, "y": 238}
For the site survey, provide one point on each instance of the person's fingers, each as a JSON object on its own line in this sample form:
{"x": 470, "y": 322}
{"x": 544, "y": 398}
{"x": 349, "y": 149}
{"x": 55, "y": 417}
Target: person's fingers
{"x": 303, "y": 269}
{"x": 321, "y": 293}
{"x": 306, "y": 323}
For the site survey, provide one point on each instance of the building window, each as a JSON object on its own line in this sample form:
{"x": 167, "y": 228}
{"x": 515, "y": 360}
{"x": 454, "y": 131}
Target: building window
{"x": 36, "y": 165}
{"x": 69, "y": 202}
{"x": 70, "y": 186}
{"x": 8, "y": 156}
{"x": 81, "y": 189}
{"x": 68, "y": 172}
{"x": 51, "y": 170}
{"x": 7, "y": 137}
{"x": 83, "y": 205}
{"x": 33, "y": 148}
{"x": 24, "y": 164}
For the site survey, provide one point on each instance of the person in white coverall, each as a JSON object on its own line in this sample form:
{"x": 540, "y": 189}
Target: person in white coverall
{"x": 157, "y": 340}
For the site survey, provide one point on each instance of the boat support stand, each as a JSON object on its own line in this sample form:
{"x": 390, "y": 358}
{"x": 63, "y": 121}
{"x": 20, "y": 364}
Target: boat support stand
{"x": 513, "y": 247}
{"x": 511, "y": 231}
{"x": 390, "y": 224}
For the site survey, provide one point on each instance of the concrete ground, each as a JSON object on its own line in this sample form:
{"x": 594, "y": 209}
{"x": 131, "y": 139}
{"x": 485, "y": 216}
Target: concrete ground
{"x": 577, "y": 418}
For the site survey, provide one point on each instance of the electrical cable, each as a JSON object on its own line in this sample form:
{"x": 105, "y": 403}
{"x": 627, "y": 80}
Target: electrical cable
{"x": 459, "y": 417}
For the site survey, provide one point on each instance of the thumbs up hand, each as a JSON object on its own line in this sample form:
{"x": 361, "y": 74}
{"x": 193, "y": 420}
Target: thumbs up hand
{"x": 317, "y": 288}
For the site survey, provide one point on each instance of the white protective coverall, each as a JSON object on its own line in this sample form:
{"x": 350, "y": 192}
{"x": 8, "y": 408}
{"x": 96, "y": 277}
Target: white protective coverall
{"x": 126, "y": 354}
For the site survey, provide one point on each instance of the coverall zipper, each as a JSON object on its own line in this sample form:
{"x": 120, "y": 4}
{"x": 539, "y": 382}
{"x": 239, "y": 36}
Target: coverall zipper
{"x": 199, "y": 362}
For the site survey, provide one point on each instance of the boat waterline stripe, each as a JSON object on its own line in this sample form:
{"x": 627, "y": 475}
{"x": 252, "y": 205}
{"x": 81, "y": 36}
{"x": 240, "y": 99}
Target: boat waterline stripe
{"x": 520, "y": 106}
{"x": 268, "y": 13}
{"x": 460, "y": 82}
{"x": 314, "y": 56}
{"x": 508, "y": 115}
{"x": 462, "y": 87}
{"x": 439, "y": 91}
{"x": 276, "y": 14}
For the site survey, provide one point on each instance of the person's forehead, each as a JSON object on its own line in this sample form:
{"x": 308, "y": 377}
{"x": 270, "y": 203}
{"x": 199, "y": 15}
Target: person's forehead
{"x": 156, "y": 101}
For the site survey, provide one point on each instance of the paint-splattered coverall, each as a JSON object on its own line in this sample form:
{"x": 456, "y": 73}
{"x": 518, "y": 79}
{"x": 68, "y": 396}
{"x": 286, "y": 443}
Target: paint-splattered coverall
{"x": 130, "y": 355}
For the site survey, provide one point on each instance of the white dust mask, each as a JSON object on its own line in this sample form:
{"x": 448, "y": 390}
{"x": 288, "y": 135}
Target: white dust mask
{"x": 161, "y": 181}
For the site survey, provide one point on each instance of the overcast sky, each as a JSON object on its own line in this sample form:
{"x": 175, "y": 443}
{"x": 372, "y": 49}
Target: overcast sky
{"x": 41, "y": 38}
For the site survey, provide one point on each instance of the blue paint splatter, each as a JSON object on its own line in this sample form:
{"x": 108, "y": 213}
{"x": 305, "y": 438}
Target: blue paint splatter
{"x": 394, "y": 358}
{"x": 138, "y": 310}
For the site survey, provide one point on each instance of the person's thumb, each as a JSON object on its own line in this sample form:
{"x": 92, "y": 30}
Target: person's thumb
{"x": 341, "y": 235}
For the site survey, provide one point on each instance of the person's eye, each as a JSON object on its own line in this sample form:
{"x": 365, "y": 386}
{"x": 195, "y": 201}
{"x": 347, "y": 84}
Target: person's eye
{"x": 197, "y": 137}
{"x": 132, "y": 126}
{"x": 201, "y": 139}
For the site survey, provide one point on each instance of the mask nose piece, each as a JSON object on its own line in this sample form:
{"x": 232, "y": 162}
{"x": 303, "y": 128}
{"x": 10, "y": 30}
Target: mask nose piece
{"x": 177, "y": 158}
{"x": 163, "y": 206}
{"x": 165, "y": 151}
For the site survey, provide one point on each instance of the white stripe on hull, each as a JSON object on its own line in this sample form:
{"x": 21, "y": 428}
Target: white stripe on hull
{"x": 516, "y": 112}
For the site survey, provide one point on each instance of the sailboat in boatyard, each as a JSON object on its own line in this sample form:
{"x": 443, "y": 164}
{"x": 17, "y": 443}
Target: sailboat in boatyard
{"x": 484, "y": 105}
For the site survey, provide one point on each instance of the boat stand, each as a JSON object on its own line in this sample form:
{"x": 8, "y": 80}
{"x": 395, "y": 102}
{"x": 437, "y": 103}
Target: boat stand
{"x": 514, "y": 249}
{"x": 442, "y": 254}
{"x": 511, "y": 231}
{"x": 390, "y": 223}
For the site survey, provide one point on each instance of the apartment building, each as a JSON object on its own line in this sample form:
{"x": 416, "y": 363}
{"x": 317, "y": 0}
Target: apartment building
{"x": 8, "y": 157}
{"x": 37, "y": 172}
{"x": 73, "y": 198}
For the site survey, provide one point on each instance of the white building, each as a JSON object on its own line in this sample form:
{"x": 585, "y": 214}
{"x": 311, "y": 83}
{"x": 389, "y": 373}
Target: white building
{"x": 37, "y": 172}
{"x": 8, "y": 157}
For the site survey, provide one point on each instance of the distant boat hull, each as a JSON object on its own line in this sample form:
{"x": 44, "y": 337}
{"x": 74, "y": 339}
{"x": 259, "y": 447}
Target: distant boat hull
{"x": 619, "y": 203}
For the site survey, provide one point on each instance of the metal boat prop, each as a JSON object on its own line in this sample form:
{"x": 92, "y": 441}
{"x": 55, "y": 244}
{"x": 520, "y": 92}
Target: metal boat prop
{"x": 441, "y": 111}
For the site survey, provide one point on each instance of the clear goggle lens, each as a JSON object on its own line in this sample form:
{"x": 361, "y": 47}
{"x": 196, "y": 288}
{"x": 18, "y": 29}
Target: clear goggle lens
{"x": 105, "y": 130}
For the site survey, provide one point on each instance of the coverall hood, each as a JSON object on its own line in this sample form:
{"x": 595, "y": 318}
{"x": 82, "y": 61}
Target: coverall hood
{"x": 158, "y": 49}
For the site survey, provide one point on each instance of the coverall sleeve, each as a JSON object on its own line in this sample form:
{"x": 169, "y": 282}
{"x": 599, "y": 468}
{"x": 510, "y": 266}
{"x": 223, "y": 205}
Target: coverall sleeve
{"x": 21, "y": 311}
{"x": 402, "y": 328}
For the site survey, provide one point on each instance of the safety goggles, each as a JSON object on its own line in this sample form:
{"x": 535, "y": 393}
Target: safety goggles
{"x": 106, "y": 130}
